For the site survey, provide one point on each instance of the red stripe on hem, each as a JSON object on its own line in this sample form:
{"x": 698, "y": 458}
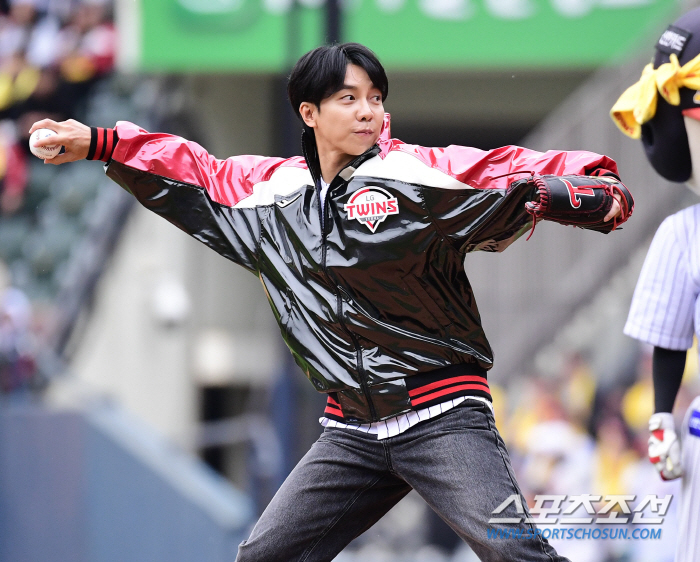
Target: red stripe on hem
{"x": 445, "y": 382}
{"x": 333, "y": 402}
{"x": 450, "y": 390}
{"x": 334, "y": 411}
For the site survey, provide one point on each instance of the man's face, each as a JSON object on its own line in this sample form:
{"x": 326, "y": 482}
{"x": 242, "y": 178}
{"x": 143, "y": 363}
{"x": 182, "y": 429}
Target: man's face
{"x": 348, "y": 122}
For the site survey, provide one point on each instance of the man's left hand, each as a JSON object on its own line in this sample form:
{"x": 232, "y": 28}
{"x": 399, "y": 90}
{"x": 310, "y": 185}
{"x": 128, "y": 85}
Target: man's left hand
{"x": 615, "y": 210}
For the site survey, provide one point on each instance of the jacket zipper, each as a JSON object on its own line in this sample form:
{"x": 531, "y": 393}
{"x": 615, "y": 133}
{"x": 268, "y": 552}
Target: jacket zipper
{"x": 316, "y": 175}
{"x": 339, "y": 300}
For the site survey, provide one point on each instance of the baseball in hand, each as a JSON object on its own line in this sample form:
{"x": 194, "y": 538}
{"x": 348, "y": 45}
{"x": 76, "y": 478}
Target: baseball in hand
{"x": 43, "y": 152}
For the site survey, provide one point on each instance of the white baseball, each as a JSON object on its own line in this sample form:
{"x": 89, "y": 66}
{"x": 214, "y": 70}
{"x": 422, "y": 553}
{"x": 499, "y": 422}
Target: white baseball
{"x": 43, "y": 152}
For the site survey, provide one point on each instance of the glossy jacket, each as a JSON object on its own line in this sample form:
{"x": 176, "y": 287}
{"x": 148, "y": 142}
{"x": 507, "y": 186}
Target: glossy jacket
{"x": 375, "y": 306}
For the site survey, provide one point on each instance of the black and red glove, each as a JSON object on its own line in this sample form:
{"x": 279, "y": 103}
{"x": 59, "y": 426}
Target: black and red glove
{"x": 582, "y": 201}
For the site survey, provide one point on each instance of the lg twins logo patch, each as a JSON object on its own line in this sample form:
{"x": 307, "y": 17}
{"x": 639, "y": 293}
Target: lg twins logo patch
{"x": 371, "y": 206}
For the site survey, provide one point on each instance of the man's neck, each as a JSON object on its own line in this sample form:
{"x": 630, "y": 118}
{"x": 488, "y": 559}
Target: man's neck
{"x": 331, "y": 163}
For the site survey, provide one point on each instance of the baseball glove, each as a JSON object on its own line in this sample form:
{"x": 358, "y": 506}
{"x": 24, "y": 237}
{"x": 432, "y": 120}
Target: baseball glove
{"x": 581, "y": 201}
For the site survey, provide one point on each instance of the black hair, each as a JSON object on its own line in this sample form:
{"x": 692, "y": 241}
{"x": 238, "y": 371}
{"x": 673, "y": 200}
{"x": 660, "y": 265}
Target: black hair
{"x": 321, "y": 73}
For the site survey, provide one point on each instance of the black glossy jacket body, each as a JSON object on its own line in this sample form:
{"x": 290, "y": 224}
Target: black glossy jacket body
{"x": 373, "y": 301}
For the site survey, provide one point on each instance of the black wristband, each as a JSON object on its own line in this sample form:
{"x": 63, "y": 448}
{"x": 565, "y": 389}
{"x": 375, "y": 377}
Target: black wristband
{"x": 102, "y": 143}
{"x": 603, "y": 172}
{"x": 93, "y": 143}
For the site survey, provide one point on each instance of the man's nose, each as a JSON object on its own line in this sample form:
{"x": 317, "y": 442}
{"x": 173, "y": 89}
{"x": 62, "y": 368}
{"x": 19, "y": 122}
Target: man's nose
{"x": 364, "y": 112}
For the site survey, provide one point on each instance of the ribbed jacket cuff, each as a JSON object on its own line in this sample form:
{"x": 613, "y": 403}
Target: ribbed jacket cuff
{"x": 102, "y": 143}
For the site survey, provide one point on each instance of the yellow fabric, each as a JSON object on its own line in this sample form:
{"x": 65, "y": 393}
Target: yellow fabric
{"x": 6, "y": 98}
{"x": 608, "y": 472}
{"x": 637, "y": 104}
{"x": 3, "y": 160}
{"x": 638, "y": 404}
{"x": 77, "y": 68}
{"x": 26, "y": 82}
{"x": 579, "y": 393}
{"x": 19, "y": 87}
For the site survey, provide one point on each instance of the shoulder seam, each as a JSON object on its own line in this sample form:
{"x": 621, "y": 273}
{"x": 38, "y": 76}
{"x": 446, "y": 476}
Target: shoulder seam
{"x": 432, "y": 167}
{"x": 198, "y": 187}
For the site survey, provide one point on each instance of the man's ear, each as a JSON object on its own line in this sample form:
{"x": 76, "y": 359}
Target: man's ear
{"x": 308, "y": 112}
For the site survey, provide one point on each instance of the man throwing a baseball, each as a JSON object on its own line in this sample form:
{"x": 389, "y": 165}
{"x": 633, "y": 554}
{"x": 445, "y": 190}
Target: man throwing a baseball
{"x": 360, "y": 247}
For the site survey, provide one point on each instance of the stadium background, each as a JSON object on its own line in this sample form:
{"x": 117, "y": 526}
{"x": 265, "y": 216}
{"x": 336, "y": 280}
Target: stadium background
{"x": 148, "y": 409}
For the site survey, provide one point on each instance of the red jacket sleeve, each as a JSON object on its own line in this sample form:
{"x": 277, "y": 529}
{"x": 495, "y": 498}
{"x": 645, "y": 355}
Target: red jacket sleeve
{"x": 510, "y": 159}
{"x": 180, "y": 181}
{"x": 227, "y": 182}
{"x": 482, "y": 169}
{"x": 486, "y": 214}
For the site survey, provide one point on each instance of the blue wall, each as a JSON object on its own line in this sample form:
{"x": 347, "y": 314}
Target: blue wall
{"x": 96, "y": 486}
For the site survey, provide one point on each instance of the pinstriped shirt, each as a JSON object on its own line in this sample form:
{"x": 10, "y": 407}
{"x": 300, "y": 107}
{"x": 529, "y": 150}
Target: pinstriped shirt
{"x": 688, "y": 542}
{"x": 398, "y": 424}
{"x": 665, "y": 309}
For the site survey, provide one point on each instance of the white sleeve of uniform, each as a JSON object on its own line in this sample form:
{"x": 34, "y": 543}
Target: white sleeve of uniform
{"x": 663, "y": 305}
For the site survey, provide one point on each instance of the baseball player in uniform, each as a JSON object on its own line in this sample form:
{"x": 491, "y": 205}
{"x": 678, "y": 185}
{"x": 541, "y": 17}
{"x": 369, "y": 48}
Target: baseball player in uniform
{"x": 360, "y": 246}
{"x": 663, "y": 109}
{"x": 665, "y": 313}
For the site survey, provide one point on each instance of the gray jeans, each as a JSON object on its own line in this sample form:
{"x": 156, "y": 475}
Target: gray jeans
{"x": 348, "y": 480}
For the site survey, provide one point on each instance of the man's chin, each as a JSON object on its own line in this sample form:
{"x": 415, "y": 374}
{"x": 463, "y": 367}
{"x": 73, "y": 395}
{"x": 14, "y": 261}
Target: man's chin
{"x": 361, "y": 148}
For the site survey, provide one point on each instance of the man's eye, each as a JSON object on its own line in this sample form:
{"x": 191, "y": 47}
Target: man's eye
{"x": 348, "y": 97}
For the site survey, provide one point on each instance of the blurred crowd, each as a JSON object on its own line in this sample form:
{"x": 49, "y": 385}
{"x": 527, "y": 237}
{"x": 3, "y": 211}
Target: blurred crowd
{"x": 17, "y": 343}
{"x": 567, "y": 435}
{"x": 571, "y": 435}
{"x": 52, "y": 54}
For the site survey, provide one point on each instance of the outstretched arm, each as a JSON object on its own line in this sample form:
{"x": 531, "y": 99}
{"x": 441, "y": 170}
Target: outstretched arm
{"x": 213, "y": 200}
{"x": 489, "y": 213}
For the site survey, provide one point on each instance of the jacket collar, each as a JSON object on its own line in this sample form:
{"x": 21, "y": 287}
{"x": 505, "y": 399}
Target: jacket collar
{"x": 310, "y": 151}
